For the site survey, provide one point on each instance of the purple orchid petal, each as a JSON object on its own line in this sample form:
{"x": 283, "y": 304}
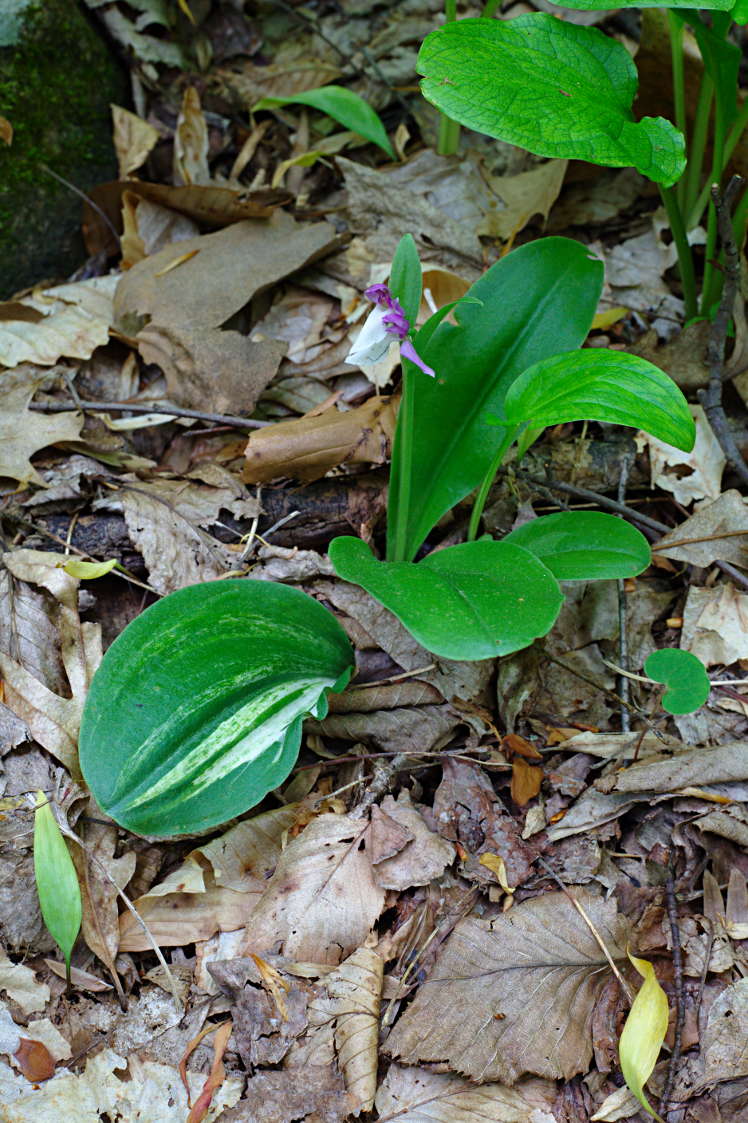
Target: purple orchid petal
{"x": 379, "y": 294}
{"x": 395, "y": 323}
{"x": 409, "y": 352}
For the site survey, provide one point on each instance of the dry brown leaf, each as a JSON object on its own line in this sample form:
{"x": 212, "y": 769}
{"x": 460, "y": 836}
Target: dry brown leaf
{"x": 6, "y": 131}
{"x": 22, "y": 433}
{"x": 301, "y": 72}
{"x": 99, "y": 898}
{"x": 422, "y": 859}
{"x": 208, "y": 369}
{"x": 54, "y": 721}
{"x": 76, "y": 320}
{"x": 526, "y": 781}
{"x": 688, "y": 475}
{"x": 716, "y": 764}
{"x": 355, "y": 990}
{"x": 308, "y": 447}
{"x": 715, "y": 624}
{"x": 683, "y": 358}
{"x": 20, "y": 984}
{"x": 215, "y": 206}
{"x": 322, "y": 900}
{"x": 149, "y": 227}
{"x": 515, "y": 994}
{"x": 524, "y": 196}
{"x": 416, "y": 1095}
{"x": 723, "y": 1043}
{"x": 166, "y": 519}
{"x": 230, "y": 267}
{"x": 133, "y": 138}
{"x": 288, "y": 1096}
{"x": 191, "y": 143}
{"x": 726, "y": 515}
{"x": 34, "y": 1060}
{"x": 388, "y": 837}
{"x": 215, "y": 888}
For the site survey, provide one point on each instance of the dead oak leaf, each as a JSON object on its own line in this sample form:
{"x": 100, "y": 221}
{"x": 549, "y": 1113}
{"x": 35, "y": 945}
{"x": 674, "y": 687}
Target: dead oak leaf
{"x": 22, "y": 433}
{"x": 515, "y": 994}
{"x": 415, "y": 1095}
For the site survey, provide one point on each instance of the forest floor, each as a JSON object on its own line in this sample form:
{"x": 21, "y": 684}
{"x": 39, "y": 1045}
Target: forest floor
{"x": 498, "y": 831}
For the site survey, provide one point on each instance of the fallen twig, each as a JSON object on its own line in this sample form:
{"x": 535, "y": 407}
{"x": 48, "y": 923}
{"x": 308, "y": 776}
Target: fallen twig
{"x": 169, "y": 411}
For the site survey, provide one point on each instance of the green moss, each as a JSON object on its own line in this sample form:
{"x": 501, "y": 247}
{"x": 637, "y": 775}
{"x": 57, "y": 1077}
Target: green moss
{"x": 56, "y": 84}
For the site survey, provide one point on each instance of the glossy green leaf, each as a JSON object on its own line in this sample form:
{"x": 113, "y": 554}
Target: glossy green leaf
{"x": 344, "y": 106}
{"x": 602, "y": 386}
{"x": 406, "y": 277}
{"x": 88, "y": 571}
{"x": 721, "y": 61}
{"x": 584, "y": 545}
{"x": 612, "y": 5}
{"x": 739, "y": 12}
{"x": 473, "y": 601}
{"x": 56, "y": 880}
{"x": 643, "y": 1034}
{"x": 195, "y": 712}
{"x": 552, "y": 87}
{"x": 684, "y": 675}
{"x": 536, "y": 301}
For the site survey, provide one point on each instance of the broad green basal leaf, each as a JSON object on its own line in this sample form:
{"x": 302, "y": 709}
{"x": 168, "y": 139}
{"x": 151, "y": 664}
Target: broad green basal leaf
{"x": 473, "y": 601}
{"x": 56, "y": 880}
{"x": 584, "y": 545}
{"x": 195, "y": 712}
{"x": 536, "y": 301}
{"x": 343, "y": 106}
{"x": 551, "y": 87}
{"x": 602, "y": 386}
{"x": 685, "y": 677}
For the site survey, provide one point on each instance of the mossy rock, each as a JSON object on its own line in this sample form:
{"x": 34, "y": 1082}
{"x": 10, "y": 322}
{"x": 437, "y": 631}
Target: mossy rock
{"x": 57, "y": 79}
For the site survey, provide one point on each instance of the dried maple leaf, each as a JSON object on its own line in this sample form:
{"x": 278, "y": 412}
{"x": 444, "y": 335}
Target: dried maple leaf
{"x": 22, "y": 433}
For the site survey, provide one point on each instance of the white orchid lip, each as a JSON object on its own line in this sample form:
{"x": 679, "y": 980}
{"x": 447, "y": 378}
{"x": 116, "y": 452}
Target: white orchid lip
{"x": 386, "y": 321}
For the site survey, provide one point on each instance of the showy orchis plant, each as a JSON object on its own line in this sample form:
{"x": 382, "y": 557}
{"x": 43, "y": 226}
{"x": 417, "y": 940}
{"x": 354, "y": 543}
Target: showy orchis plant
{"x": 563, "y": 90}
{"x": 505, "y": 370}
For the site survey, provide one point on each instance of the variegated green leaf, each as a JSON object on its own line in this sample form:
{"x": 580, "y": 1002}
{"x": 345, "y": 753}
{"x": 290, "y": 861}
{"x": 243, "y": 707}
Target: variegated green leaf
{"x": 196, "y": 711}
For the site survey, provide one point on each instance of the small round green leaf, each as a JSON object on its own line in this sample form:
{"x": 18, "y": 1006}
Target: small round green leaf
{"x": 584, "y": 545}
{"x": 473, "y": 601}
{"x": 685, "y": 677}
{"x": 195, "y": 712}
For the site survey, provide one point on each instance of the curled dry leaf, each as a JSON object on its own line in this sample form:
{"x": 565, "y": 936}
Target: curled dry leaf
{"x": 215, "y": 206}
{"x": 716, "y": 764}
{"x": 727, "y": 515}
{"x": 308, "y": 447}
{"x": 322, "y": 900}
{"x": 355, "y": 989}
{"x": 215, "y": 888}
{"x": 515, "y": 994}
{"x": 20, "y": 984}
{"x": 22, "y": 433}
{"x": 415, "y": 1095}
{"x": 75, "y": 321}
{"x": 148, "y": 227}
{"x": 424, "y": 857}
{"x": 715, "y": 624}
{"x": 133, "y": 139}
{"x": 191, "y": 142}
{"x": 688, "y": 475}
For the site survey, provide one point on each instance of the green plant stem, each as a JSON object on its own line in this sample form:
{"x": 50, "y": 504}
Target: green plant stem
{"x": 401, "y": 473}
{"x": 480, "y": 500}
{"x": 675, "y": 27}
{"x": 489, "y": 9}
{"x": 696, "y": 151}
{"x": 712, "y": 281}
{"x": 449, "y": 130}
{"x": 685, "y": 259}
{"x": 736, "y": 131}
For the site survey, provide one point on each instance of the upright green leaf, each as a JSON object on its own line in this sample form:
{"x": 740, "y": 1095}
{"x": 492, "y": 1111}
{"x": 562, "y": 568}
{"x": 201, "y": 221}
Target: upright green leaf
{"x": 473, "y": 601}
{"x": 602, "y": 386}
{"x": 552, "y": 87}
{"x": 537, "y": 300}
{"x": 344, "y": 106}
{"x": 56, "y": 880}
{"x": 195, "y": 712}
{"x": 584, "y": 545}
{"x": 406, "y": 278}
{"x": 685, "y": 677}
{"x": 643, "y": 1034}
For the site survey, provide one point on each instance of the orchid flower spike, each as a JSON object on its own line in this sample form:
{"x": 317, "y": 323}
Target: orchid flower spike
{"x": 386, "y": 320}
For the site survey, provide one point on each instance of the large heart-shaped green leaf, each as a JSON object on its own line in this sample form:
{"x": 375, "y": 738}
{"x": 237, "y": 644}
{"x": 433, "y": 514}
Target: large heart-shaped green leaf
{"x": 536, "y": 301}
{"x": 473, "y": 601}
{"x": 195, "y": 712}
{"x": 551, "y": 87}
{"x": 344, "y": 106}
{"x": 602, "y": 386}
{"x": 584, "y": 545}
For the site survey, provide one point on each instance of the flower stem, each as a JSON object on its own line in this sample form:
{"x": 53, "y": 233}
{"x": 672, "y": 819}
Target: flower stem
{"x": 712, "y": 282}
{"x": 401, "y": 473}
{"x": 685, "y": 259}
{"x": 511, "y": 432}
{"x": 696, "y": 152}
{"x": 675, "y": 27}
{"x": 449, "y": 130}
{"x": 489, "y": 8}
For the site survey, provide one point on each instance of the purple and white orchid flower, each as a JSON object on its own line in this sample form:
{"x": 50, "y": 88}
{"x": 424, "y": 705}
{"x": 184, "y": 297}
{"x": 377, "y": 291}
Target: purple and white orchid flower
{"x": 386, "y": 321}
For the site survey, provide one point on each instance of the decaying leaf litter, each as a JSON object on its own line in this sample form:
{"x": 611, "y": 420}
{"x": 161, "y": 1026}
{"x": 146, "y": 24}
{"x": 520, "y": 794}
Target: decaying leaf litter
{"x": 423, "y": 922}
